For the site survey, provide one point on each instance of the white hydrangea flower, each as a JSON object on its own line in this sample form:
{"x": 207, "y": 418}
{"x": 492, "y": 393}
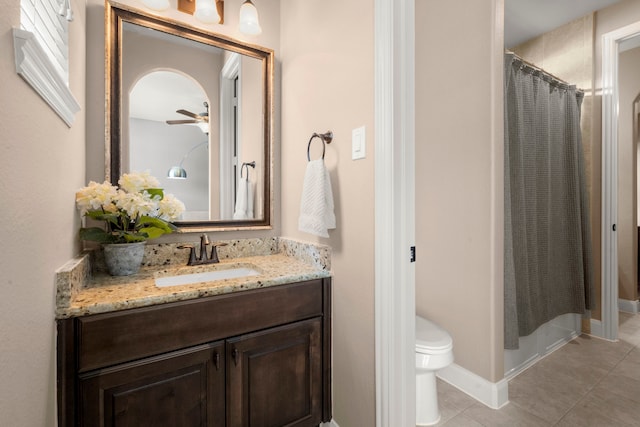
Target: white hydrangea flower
{"x": 96, "y": 196}
{"x": 126, "y": 204}
{"x": 170, "y": 208}
{"x": 135, "y": 204}
{"x": 138, "y": 181}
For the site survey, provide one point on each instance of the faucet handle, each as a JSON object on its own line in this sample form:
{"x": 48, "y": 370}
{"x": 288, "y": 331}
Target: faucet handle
{"x": 214, "y": 252}
{"x": 192, "y": 253}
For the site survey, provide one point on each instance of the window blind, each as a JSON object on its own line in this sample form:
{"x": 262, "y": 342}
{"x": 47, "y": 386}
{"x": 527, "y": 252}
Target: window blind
{"x": 42, "y": 18}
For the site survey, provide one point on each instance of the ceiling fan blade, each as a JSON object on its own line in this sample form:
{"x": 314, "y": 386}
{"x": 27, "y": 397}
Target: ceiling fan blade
{"x": 181, "y": 122}
{"x": 187, "y": 113}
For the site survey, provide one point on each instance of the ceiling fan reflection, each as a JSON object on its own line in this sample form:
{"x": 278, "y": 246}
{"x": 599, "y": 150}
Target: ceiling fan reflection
{"x": 201, "y": 120}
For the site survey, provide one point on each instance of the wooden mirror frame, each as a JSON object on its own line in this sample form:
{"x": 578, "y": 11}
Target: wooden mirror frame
{"x": 115, "y": 15}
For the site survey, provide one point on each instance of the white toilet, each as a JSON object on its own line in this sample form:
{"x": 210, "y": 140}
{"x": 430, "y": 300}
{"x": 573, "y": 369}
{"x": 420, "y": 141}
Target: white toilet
{"x": 434, "y": 351}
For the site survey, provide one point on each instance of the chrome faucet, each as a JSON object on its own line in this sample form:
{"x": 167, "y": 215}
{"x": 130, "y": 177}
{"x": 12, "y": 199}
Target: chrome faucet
{"x": 203, "y": 258}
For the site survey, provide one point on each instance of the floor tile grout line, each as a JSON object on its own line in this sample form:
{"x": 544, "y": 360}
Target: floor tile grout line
{"x": 589, "y": 388}
{"x": 531, "y": 413}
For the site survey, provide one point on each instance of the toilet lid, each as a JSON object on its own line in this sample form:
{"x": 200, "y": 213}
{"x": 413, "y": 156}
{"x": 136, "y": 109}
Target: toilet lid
{"x": 430, "y": 337}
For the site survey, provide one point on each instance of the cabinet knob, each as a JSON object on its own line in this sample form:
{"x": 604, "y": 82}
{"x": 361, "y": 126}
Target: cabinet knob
{"x": 235, "y": 353}
{"x": 216, "y": 360}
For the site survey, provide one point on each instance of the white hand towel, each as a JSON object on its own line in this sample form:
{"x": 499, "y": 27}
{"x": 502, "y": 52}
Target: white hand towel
{"x": 316, "y": 204}
{"x": 241, "y": 200}
{"x": 250, "y": 194}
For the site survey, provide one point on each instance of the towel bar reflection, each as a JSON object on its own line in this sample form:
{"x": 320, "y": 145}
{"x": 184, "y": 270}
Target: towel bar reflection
{"x": 247, "y": 164}
{"x": 326, "y": 138}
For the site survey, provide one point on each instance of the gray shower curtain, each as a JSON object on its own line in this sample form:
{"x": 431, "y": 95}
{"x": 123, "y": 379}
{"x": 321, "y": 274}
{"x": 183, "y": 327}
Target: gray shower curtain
{"x": 548, "y": 263}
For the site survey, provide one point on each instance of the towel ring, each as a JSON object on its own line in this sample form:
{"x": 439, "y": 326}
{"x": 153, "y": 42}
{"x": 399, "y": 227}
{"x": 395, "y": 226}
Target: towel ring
{"x": 326, "y": 138}
{"x": 252, "y": 164}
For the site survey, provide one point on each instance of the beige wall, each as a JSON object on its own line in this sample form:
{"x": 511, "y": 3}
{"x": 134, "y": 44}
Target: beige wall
{"x": 328, "y": 84}
{"x": 459, "y": 152}
{"x": 41, "y": 167}
{"x": 629, "y": 81}
{"x": 270, "y": 38}
{"x": 567, "y": 53}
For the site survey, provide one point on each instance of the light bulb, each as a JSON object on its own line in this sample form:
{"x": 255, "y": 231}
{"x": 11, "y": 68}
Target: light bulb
{"x": 207, "y": 12}
{"x": 249, "y": 23}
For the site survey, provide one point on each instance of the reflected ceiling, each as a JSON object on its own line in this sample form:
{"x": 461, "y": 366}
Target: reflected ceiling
{"x": 526, "y": 19}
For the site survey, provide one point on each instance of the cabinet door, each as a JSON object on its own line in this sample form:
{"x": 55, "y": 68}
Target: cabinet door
{"x": 182, "y": 388}
{"x": 274, "y": 377}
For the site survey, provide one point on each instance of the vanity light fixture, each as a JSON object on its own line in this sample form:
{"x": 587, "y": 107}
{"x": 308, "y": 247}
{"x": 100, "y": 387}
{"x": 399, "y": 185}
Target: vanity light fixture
{"x": 249, "y": 23}
{"x": 205, "y": 11}
{"x": 178, "y": 172}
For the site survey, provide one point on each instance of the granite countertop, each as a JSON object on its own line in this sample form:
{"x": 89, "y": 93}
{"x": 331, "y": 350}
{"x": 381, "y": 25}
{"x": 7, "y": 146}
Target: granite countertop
{"x": 84, "y": 290}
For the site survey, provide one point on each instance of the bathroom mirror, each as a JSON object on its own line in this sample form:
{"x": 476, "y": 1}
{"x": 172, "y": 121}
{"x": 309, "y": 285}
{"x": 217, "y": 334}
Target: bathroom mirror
{"x": 195, "y": 109}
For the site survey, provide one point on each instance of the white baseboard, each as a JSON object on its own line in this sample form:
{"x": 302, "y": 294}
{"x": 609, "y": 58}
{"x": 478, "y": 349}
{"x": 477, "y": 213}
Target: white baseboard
{"x": 628, "y": 306}
{"x": 516, "y": 370}
{"x": 543, "y": 351}
{"x": 331, "y": 423}
{"x": 493, "y": 395}
{"x": 596, "y": 328}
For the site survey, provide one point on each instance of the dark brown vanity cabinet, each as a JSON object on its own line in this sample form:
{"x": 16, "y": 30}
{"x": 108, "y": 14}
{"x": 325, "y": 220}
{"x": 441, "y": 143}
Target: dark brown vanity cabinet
{"x": 183, "y": 388}
{"x": 258, "y": 358}
{"x": 270, "y": 377}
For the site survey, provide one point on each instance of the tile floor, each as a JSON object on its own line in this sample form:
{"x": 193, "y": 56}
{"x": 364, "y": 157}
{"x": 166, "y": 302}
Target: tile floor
{"x": 587, "y": 382}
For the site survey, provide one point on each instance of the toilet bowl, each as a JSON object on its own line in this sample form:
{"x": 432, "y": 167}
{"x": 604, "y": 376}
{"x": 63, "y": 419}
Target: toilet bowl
{"x": 434, "y": 351}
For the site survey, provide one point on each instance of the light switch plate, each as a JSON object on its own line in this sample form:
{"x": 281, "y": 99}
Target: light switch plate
{"x": 358, "y": 145}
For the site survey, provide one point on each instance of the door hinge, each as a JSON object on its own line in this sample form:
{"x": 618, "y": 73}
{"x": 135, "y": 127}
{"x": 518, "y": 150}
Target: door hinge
{"x": 413, "y": 254}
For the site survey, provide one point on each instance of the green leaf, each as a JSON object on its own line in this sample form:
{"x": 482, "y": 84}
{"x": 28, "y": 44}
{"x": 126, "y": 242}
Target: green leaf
{"x": 98, "y": 214}
{"x": 155, "y": 222}
{"x": 153, "y": 232}
{"x": 96, "y": 234}
{"x": 112, "y": 217}
{"x": 155, "y": 192}
{"x": 152, "y": 227}
{"x": 134, "y": 237}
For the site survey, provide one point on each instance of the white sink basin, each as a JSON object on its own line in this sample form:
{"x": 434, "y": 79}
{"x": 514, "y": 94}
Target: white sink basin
{"x": 207, "y": 276}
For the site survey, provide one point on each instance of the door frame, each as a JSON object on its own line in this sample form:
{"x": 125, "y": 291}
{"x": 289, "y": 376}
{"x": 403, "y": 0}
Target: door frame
{"x": 229, "y": 129}
{"x": 394, "y": 29}
{"x": 608, "y": 328}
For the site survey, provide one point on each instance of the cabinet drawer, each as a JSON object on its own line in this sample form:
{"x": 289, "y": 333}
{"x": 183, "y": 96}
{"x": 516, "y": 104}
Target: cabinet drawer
{"x": 112, "y": 338}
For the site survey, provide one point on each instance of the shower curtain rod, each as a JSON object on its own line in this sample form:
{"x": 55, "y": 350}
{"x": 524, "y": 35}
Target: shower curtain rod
{"x": 556, "y": 79}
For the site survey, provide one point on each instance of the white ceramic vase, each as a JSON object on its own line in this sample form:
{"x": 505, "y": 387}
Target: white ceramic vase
{"x": 123, "y": 259}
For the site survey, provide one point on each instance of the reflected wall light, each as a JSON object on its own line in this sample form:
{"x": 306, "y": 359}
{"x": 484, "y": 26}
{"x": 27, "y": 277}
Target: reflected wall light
{"x": 249, "y": 23}
{"x": 205, "y": 11}
{"x": 65, "y": 10}
{"x": 178, "y": 172}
